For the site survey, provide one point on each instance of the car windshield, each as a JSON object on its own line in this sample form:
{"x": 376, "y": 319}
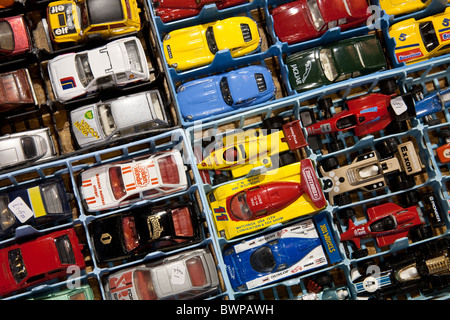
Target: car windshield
{"x": 144, "y": 285}
{"x": 83, "y": 69}
{"x": 6, "y": 37}
{"x": 168, "y": 170}
{"x": 17, "y": 266}
{"x": 385, "y": 224}
{"x": 106, "y": 119}
{"x": 262, "y": 260}
{"x": 65, "y": 251}
{"x": 226, "y": 93}
{"x": 83, "y": 14}
{"x": 315, "y": 15}
{"x": 116, "y": 181}
{"x": 196, "y": 272}
{"x": 326, "y": 61}
{"x": 133, "y": 56}
{"x": 7, "y": 218}
{"x": 29, "y": 147}
{"x": 212, "y": 45}
{"x": 52, "y": 199}
{"x": 239, "y": 207}
{"x": 428, "y": 35}
{"x": 130, "y": 235}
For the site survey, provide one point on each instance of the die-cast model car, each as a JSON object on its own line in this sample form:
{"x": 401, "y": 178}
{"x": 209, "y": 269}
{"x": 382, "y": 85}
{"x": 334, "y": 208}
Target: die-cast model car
{"x": 262, "y": 260}
{"x": 144, "y": 230}
{"x": 16, "y": 89}
{"x": 15, "y": 37}
{"x": 304, "y": 20}
{"x": 196, "y": 46}
{"x": 349, "y": 58}
{"x": 419, "y": 40}
{"x": 396, "y": 7}
{"x": 279, "y": 195}
{"x": 122, "y": 183}
{"x": 238, "y": 153}
{"x": 386, "y": 223}
{"x": 227, "y": 92}
{"x": 171, "y": 10}
{"x": 187, "y": 275}
{"x": 83, "y": 292}
{"x": 36, "y": 203}
{"x": 74, "y": 21}
{"x": 33, "y": 146}
{"x": 395, "y": 166}
{"x": 27, "y": 264}
{"x": 424, "y": 267}
{"x": 121, "y": 117}
{"x": 432, "y": 103}
{"x": 118, "y": 63}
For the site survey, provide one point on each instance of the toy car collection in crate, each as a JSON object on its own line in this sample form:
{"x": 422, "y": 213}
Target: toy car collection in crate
{"x": 298, "y": 173}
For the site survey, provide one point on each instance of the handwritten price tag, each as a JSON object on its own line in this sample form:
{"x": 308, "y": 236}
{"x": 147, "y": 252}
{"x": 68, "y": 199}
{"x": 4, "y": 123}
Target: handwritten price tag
{"x": 398, "y": 105}
{"x": 20, "y": 209}
{"x": 178, "y": 273}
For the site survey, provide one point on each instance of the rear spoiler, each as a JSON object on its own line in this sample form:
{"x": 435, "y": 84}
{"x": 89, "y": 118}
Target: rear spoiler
{"x": 310, "y": 183}
{"x": 293, "y": 135}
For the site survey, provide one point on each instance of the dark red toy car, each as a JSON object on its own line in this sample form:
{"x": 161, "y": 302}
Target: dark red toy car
{"x": 170, "y": 10}
{"x": 303, "y": 20}
{"x": 47, "y": 257}
{"x": 15, "y": 38}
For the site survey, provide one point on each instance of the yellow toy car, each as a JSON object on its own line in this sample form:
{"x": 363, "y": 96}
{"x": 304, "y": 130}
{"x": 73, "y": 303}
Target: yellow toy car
{"x": 398, "y": 7}
{"x": 196, "y": 46}
{"x": 254, "y": 203}
{"x": 75, "y": 21}
{"x": 419, "y": 40}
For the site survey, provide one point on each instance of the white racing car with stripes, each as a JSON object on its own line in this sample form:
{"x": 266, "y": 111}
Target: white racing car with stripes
{"x": 122, "y": 183}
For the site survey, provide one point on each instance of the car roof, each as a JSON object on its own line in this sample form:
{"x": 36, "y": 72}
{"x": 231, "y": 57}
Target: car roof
{"x": 131, "y": 111}
{"x": 103, "y": 11}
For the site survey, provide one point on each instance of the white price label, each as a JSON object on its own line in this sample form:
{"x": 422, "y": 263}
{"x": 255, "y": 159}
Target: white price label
{"x": 20, "y": 209}
{"x": 398, "y": 105}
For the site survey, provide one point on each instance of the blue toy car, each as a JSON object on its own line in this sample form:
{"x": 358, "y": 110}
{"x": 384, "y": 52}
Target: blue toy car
{"x": 213, "y": 95}
{"x": 433, "y": 103}
{"x": 295, "y": 249}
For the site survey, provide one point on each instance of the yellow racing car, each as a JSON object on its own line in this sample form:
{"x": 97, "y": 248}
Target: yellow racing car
{"x": 398, "y": 7}
{"x": 245, "y": 206}
{"x": 419, "y": 40}
{"x": 76, "y": 21}
{"x": 196, "y": 46}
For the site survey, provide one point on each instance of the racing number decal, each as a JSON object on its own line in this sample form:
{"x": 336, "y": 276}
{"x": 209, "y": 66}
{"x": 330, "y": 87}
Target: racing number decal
{"x": 223, "y": 216}
{"x": 444, "y": 34}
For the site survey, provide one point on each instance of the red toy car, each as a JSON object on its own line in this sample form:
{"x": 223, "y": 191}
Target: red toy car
{"x": 170, "y": 10}
{"x": 303, "y": 20}
{"x": 47, "y": 257}
{"x": 15, "y": 37}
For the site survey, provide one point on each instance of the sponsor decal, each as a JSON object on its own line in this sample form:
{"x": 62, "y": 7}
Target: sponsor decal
{"x": 89, "y": 115}
{"x": 141, "y": 176}
{"x": 445, "y": 36}
{"x": 68, "y": 83}
{"x": 409, "y": 55}
{"x": 85, "y": 128}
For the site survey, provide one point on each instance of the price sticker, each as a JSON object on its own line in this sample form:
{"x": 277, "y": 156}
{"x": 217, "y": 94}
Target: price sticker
{"x": 20, "y": 209}
{"x": 398, "y": 105}
{"x": 178, "y": 273}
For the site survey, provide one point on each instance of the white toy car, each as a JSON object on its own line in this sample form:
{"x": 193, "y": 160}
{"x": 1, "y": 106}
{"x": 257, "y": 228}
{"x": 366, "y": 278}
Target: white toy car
{"x": 120, "y": 117}
{"x": 122, "y": 183}
{"x": 187, "y": 275}
{"x": 118, "y": 63}
{"x": 31, "y": 146}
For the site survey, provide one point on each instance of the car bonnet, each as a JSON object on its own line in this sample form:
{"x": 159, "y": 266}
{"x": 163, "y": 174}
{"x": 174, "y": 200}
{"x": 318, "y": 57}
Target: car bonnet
{"x": 64, "y": 77}
{"x": 305, "y": 70}
{"x": 131, "y": 111}
{"x": 105, "y": 62}
{"x": 96, "y": 189}
{"x": 85, "y": 125}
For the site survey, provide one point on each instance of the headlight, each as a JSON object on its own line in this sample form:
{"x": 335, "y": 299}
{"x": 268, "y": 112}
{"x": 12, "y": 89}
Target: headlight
{"x": 174, "y": 65}
{"x": 181, "y": 88}
{"x": 167, "y": 37}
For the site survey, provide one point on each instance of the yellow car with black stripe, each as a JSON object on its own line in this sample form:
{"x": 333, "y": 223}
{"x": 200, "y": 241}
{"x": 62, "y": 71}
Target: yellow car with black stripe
{"x": 245, "y": 206}
{"x": 419, "y": 40}
{"x": 196, "y": 46}
{"x": 76, "y": 21}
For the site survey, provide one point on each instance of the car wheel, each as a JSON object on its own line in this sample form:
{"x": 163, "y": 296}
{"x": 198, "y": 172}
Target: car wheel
{"x": 273, "y": 123}
{"x": 336, "y": 145}
{"x": 401, "y": 181}
{"x": 329, "y": 164}
{"x": 342, "y": 199}
{"x": 325, "y": 106}
{"x": 360, "y": 253}
{"x": 219, "y": 178}
{"x": 387, "y": 86}
{"x": 387, "y": 147}
{"x": 397, "y": 127}
{"x": 346, "y": 214}
{"x": 421, "y": 233}
{"x": 409, "y": 198}
{"x": 286, "y": 158}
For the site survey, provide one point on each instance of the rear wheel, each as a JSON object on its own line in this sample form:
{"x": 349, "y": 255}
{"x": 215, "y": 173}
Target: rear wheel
{"x": 329, "y": 164}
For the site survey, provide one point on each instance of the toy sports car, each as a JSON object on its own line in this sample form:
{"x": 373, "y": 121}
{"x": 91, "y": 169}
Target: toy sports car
{"x": 47, "y": 257}
{"x": 144, "y": 230}
{"x": 303, "y": 20}
{"x": 196, "y": 46}
{"x": 15, "y": 37}
{"x": 254, "y": 203}
{"x": 171, "y": 10}
{"x": 187, "y": 275}
{"x": 74, "y": 21}
{"x": 16, "y": 89}
{"x": 349, "y": 58}
{"x": 217, "y": 94}
{"x": 398, "y": 7}
{"x": 118, "y": 184}
{"x": 118, "y": 63}
{"x": 419, "y": 40}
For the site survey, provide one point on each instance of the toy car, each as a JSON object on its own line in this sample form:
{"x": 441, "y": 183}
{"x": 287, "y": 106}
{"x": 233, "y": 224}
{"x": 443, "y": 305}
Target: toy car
{"x": 16, "y": 89}
{"x": 33, "y": 262}
{"x": 239, "y": 153}
{"x": 171, "y": 10}
{"x": 304, "y": 20}
{"x": 33, "y": 146}
{"x": 432, "y": 103}
{"x": 6, "y": 3}
{"x": 419, "y": 40}
{"x": 187, "y": 275}
{"x": 121, "y": 117}
{"x": 386, "y": 223}
{"x": 15, "y": 37}
{"x": 279, "y": 195}
{"x": 122, "y": 183}
{"x": 83, "y": 292}
{"x": 36, "y": 203}
{"x": 424, "y": 267}
{"x": 349, "y": 58}
{"x": 395, "y": 165}
{"x": 143, "y": 230}
{"x": 227, "y": 92}
{"x": 275, "y": 256}
{"x": 118, "y": 63}
{"x": 75, "y": 21}
{"x": 196, "y": 46}
{"x": 393, "y": 7}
